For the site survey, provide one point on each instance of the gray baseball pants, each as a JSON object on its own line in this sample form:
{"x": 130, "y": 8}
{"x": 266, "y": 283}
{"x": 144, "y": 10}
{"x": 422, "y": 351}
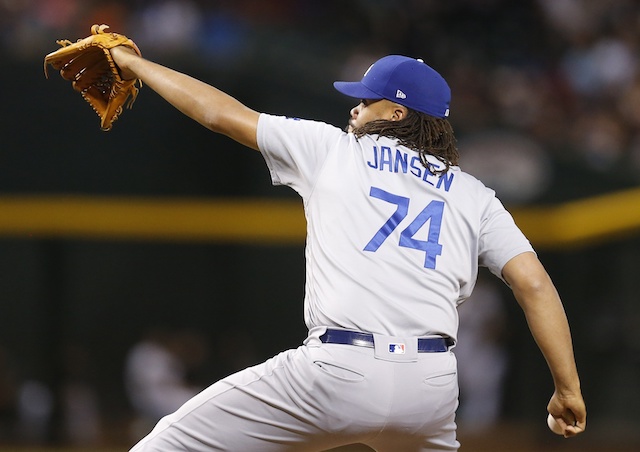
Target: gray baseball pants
{"x": 320, "y": 396}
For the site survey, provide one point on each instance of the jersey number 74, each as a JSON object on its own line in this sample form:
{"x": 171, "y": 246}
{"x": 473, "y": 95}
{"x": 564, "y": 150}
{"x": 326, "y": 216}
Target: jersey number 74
{"x": 432, "y": 214}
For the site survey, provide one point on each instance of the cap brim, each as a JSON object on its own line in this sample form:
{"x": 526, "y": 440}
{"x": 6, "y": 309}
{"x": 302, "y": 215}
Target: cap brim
{"x": 356, "y": 90}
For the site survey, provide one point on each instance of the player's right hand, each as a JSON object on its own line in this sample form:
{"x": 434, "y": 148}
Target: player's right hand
{"x": 569, "y": 411}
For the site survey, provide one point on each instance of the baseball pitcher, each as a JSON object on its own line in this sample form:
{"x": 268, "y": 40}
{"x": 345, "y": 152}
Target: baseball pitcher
{"x": 395, "y": 234}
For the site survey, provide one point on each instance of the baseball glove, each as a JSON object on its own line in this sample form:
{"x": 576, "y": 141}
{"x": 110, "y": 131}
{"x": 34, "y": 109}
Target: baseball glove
{"x": 88, "y": 64}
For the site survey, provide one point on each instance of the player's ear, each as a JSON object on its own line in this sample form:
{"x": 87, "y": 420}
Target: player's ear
{"x": 399, "y": 112}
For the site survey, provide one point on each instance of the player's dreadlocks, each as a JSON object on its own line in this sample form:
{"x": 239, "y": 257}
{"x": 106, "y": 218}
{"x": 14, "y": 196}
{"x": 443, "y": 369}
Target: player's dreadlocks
{"x": 426, "y": 134}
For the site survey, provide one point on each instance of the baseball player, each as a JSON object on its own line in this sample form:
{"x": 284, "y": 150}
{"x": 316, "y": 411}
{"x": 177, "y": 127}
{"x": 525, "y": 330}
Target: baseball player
{"x": 395, "y": 234}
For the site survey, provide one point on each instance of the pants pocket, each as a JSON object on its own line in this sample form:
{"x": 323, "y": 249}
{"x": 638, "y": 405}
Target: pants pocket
{"x": 441, "y": 380}
{"x": 339, "y": 371}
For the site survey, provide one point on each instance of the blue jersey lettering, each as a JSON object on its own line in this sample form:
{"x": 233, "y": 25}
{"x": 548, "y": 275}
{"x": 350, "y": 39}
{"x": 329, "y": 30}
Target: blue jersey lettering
{"x": 374, "y": 165}
{"x": 385, "y": 158}
{"x": 402, "y": 162}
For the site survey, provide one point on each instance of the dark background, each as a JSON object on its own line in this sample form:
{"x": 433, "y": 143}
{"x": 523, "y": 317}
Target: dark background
{"x": 87, "y": 301}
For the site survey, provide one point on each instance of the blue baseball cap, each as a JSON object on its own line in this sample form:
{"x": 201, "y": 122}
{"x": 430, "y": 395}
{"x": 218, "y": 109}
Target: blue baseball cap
{"x": 406, "y": 81}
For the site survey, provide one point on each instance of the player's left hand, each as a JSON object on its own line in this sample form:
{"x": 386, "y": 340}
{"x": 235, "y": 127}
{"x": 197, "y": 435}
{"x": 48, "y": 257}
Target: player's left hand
{"x": 92, "y": 71}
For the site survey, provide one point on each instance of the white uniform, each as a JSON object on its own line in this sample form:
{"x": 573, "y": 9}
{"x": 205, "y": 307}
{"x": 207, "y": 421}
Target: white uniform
{"x": 408, "y": 278}
{"x": 391, "y": 250}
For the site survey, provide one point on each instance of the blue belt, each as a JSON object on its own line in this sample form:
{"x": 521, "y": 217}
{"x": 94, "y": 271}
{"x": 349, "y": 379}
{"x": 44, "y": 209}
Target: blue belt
{"x": 347, "y": 337}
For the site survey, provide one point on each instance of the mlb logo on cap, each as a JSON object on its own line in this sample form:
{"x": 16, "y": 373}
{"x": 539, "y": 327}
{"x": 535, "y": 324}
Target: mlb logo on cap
{"x": 396, "y": 349}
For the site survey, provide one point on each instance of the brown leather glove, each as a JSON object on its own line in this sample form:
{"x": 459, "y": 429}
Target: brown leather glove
{"x": 88, "y": 64}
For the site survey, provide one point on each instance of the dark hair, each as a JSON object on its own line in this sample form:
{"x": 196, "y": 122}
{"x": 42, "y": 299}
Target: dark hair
{"x": 424, "y": 133}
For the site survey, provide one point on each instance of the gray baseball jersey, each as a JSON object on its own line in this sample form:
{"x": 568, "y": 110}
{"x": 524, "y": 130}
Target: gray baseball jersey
{"x": 391, "y": 250}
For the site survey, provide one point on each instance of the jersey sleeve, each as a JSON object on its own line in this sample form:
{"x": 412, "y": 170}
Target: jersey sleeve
{"x": 500, "y": 238}
{"x": 295, "y": 149}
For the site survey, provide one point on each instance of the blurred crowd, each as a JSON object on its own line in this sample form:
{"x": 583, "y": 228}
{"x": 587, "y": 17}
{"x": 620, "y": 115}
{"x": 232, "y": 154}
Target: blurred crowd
{"x": 561, "y": 76}
{"x": 162, "y": 369}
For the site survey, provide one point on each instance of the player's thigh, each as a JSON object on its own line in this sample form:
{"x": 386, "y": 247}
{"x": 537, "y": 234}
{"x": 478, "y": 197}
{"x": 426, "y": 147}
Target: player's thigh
{"x": 268, "y": 407}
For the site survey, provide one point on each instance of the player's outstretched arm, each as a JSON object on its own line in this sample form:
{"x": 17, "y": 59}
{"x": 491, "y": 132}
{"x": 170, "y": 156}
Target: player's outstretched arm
{"x": 209, "y": 106}
{"x": 548, "y": 323}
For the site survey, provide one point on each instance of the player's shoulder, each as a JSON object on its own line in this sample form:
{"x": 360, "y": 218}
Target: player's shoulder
{"x": 469, "y": 178}
{"x": 294, "y": 122}
{"x": 298, "y": 135}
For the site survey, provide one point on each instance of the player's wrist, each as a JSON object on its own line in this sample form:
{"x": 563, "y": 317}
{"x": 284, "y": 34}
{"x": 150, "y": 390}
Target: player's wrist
{"x": 123, "y": 57}
{"x": 567, "y": 388}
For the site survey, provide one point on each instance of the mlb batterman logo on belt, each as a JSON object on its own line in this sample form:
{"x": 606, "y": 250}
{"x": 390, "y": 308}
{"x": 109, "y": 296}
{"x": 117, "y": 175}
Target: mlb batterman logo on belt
{"x": 396, "y": 349}
{"x": 406, "y": 81}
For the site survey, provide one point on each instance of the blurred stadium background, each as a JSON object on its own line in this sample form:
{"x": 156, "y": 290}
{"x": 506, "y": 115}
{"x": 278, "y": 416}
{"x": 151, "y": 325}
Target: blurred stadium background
{"x": 160, "y": 227}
